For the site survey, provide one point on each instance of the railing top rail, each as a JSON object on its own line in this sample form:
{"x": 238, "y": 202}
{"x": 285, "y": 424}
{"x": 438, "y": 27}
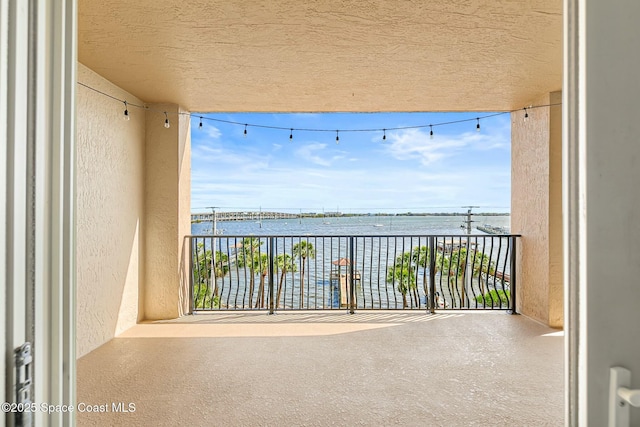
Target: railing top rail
{"x": 225, "y": 236}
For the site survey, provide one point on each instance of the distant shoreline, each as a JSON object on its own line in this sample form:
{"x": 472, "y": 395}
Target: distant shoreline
{"x": 429, "y": 214}
{"x": 334, "y": 215}
{"x": 265, "y": 216}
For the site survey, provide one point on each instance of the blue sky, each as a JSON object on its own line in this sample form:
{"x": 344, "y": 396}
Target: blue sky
{"x": 363, "y": 173}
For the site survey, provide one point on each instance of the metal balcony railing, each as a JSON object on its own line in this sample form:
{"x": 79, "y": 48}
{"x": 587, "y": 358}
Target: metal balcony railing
{"x": 436, "y": 272}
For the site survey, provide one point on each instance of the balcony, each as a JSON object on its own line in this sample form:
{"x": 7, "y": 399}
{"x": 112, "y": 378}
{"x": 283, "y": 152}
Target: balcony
{"x": 455, "y": 368}
{"x": 403, "y": 358}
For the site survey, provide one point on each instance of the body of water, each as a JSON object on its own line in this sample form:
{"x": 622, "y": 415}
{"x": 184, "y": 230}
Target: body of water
{"x": 366, "y": 245}
{"x": 352, "y": 226}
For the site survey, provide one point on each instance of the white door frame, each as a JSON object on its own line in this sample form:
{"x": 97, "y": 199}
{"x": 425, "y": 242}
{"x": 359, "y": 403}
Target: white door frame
{"x": 38, "y": 114}
{"x": 574, "y": 221}
{"x": 37, "y": 198}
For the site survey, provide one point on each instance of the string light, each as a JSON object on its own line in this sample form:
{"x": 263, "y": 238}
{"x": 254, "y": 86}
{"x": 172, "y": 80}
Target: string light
{"x": 384, "y": 134}
{"x": 126, "y": 116}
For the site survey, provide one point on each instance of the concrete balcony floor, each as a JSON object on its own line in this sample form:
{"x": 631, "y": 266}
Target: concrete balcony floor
{"x": 329, "y": 369}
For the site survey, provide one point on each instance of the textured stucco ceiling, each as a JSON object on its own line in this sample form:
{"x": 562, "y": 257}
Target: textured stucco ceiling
{"x": 326, "y": 55}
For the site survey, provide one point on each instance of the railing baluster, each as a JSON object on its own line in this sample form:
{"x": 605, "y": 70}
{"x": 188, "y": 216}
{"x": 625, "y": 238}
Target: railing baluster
{"x": 229, "y": 260}
{"x": 316, "y": 283}
{"x": 221, "y": 282}
{"x": 235, "y": 302}
{"x": 191, "y": 273}
{"x": 359, "y": 274}
{"x": 494, "y": 270}
{"x": 352, "y": 287}
{"x": 432, "y": 274}
{"x": 512, "y": 274}
{"x": 507, "y": 255}
{"x": 271, "y": 251}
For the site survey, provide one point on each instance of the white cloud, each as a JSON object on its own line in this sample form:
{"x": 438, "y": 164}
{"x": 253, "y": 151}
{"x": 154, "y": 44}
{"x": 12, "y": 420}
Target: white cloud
{"x": 210, "y": 131}
{"x": 309, "y": 152}
{"x": 416, "y": 144}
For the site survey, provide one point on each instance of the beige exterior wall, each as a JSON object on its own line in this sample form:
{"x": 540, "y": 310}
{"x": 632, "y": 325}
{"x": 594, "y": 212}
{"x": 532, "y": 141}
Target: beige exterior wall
{"x": 167, "y": 200}
{"x": 536, "y": 209}
{"x": 110, "y": 212}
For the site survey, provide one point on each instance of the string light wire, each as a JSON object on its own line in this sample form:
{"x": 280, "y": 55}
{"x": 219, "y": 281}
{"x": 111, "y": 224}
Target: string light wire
{"x": 292, "y": 129}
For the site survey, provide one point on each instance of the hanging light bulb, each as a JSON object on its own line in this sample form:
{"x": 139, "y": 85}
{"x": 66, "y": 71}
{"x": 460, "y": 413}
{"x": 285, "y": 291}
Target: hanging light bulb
{"x": 384, "y": 134}
{"x": 166, "y": 120}
{"x": 526, "y": 114}
{"x": 478, "y": 125}
{"x": 245, "y": 131}
{"x": 291, "y": 135}
{"x": 200, "y": 125}
{"x": 337, "y": 138}
{"x": 126, "y": 112}
{"x": 430, "y": 131}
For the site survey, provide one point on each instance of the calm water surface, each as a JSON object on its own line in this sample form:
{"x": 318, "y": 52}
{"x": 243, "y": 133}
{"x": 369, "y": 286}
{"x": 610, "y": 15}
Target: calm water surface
{"x": 352, "y": 226}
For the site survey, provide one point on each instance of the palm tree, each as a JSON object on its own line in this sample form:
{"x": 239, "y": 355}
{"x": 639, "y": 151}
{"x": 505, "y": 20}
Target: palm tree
{"x": 402, "y": 274}
{"x": 263, "y": 269}
{"x": 420, "y": 256}
{"x": 482, "y": 264}
{"x": 221, "y": 269}
{"x": 284, "y": 264}
{"x": 249, "y": 258}
{"x": 457, "y": 267}
{"x": 406, "y": 260}
{"x": 203, "y": 297}
{"x": 202, "y": 269}
{"x": 302, "y": 251}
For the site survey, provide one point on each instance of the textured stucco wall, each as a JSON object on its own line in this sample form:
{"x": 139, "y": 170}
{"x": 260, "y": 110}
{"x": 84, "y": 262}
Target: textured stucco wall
{"x": 184, "y": 206}
{"x": 556, "y": 247}
{"x": 327, "y": 55}
{"x": 110, "y": 207}
{"x": 167, "y": 201}
{"x": 536, "y": 209}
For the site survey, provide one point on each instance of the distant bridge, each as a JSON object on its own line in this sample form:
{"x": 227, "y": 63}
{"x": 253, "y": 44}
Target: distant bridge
{"x": 241, "y": 216}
